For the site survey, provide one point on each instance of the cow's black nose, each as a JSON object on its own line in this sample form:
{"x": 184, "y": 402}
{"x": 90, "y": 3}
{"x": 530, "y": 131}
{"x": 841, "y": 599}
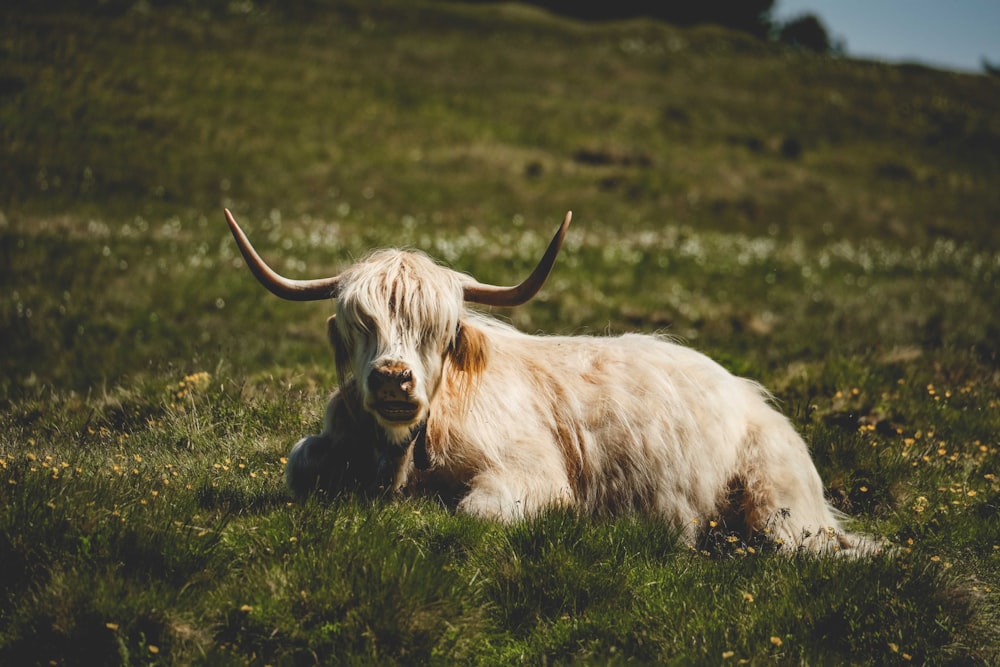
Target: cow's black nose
{"x": 391, "y": 378}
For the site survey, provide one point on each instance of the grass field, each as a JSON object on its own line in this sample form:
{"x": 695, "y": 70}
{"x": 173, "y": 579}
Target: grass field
{"x": 828, "y": 227}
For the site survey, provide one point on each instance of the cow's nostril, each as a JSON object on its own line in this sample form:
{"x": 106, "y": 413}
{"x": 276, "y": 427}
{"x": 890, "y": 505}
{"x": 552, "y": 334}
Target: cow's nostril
{"x": 391, "y": 379}
{"x": 406, "y": 380}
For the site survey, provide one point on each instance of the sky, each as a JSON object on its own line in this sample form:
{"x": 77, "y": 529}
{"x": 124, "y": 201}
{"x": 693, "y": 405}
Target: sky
{"x": 951, "y": 34}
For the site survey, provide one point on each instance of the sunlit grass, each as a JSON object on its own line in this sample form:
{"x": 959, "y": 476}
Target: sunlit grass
{"x": 150, "y": 389}
{"x": 176, "y": 488}
{"x": 165, "y": 491}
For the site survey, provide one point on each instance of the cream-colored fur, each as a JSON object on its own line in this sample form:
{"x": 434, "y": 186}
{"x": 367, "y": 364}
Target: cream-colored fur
{"x": 517, "y": 423}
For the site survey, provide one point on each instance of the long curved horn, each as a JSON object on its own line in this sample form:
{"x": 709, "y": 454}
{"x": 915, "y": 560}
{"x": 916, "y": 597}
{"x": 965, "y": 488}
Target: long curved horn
{"x": 293, "y": 290}
{"x": 493, "y": 295}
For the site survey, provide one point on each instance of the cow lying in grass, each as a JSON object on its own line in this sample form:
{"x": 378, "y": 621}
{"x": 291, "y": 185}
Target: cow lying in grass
{"x": 438, "y": 398}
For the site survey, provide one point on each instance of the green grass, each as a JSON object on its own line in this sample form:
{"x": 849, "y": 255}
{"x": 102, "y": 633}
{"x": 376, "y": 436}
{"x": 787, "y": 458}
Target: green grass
{"x": 825, "y": 226}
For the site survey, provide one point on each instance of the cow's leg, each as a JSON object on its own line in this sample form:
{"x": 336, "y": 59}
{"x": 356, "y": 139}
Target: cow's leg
{"x": 511, "y": 495}
{"x": 784, "y": 493}
{"x": 340, "y": 459}
{"x": 311, "y": 467}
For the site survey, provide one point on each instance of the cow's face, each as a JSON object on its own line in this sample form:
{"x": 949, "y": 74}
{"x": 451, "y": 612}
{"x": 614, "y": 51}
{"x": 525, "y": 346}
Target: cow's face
{"x": 397, "y": 318}
{"x": 399, "y": 322}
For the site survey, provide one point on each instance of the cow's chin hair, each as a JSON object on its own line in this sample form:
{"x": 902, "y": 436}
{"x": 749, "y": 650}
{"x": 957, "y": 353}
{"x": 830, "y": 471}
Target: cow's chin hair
{"x": 399, "y": 434}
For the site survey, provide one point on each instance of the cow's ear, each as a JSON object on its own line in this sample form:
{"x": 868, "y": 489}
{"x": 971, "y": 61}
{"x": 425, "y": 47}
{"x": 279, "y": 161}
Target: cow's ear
{"x": 332, "y": 334}
{"x": 468, "y": 353}
{"x": 340, "y": 355}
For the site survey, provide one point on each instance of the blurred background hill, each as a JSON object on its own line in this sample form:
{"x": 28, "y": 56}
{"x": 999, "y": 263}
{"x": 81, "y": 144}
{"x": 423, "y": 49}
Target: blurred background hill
{"x": 125, "y": 127}
{"x": 138, "y": 106}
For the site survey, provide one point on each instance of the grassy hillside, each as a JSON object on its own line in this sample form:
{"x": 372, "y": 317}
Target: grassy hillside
{"x": 826, "y": 226}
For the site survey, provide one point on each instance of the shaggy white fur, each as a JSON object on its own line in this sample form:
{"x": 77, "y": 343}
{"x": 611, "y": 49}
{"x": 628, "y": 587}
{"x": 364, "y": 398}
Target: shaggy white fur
{"x": 611, "y": 425}
{"x": 506, "y": 424}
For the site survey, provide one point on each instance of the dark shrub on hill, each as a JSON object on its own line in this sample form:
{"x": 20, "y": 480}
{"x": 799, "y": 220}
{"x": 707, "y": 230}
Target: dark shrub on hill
{"x": 806, "y": 32}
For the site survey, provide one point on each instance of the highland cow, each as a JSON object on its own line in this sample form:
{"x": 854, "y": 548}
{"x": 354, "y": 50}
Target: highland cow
{"x": 436, "y": 397}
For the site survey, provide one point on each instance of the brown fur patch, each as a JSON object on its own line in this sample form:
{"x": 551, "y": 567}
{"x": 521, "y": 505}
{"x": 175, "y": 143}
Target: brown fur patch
{"x": 733, "y": 514}
{"x": 567, "y": 436}
{"x": 745, "y": 509}
{"x": 464, "y": 363}
{"x": 467, "y": 356}
{"x": 595, "y": 374}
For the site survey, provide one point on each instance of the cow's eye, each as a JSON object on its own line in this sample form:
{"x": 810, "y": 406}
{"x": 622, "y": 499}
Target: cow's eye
{"x": 364, "y": 324}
